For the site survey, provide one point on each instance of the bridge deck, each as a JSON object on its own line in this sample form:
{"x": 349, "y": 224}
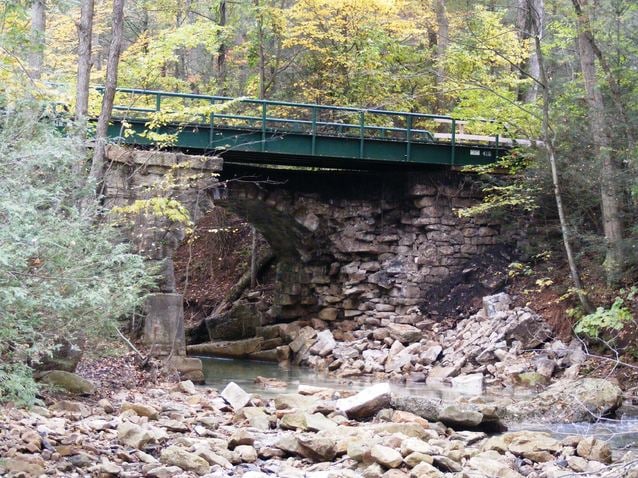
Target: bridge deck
{"x": 276, "y": 132}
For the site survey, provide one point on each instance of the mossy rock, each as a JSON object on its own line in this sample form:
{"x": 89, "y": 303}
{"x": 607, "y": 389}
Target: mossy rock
{"x": 67, "y": 381}
{"x": 530, "y": 379}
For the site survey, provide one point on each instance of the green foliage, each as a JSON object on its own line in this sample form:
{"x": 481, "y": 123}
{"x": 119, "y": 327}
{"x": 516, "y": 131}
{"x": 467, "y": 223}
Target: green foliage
{"x": 479, "y": 65}
{"x": 177, "y": 111}
{"x": 62, "y": 273}
{"x": 17, "y": 385}
{"x": 518, "y": 268}
{"x": 352, "y": 52}
{"x": 14, "y": 41}
{"x": 604, "y": 320}
{"x": 153, "y": 55}
{"x": 517, "y": 195}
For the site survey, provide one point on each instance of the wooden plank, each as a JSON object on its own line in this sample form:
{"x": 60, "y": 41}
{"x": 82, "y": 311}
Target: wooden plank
{"x": 445, "y": 120}
{"x": 485, "y": 138}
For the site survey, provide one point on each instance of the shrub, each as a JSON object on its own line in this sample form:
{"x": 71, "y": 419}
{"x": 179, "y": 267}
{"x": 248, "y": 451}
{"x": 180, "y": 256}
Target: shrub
{"x": 604, "y": 320}
{"x": 62, "y": 272}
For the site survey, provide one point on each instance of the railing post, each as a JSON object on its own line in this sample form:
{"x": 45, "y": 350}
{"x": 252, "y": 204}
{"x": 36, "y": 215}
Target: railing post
{"x": 158, "y": 102}
{"x": 361, "y": 132}
{"x": 496, "y": 151}
{"x": 263, "y": 126}
{"x": 453, "y": 152}
{"x": 408, "y": 137}
{"x": 314, "y": 131}
{"x": 211, "y": 135}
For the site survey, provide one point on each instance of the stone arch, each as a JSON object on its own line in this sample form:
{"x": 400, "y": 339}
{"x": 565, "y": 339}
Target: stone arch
{"x": 282, "y": 219}
{"x": 296, "y": 230}
{"x": 356, "y": 249}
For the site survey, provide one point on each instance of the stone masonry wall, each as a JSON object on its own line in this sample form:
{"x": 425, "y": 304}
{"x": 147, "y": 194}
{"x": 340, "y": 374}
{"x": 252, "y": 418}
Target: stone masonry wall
{"x": 362, "y": 262}
{"x": 138, "y": 175}
{"x": 352, "y": 257}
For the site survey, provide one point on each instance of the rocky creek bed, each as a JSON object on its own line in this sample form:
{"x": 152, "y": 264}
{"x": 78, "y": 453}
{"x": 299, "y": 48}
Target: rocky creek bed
{"x": 180, "y": 430}
{"x": 360, "y": 423}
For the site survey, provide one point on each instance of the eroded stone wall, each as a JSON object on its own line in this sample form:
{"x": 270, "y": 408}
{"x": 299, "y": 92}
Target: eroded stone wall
{"x": 353, "y": 250}
{"x": 362, "y": 261}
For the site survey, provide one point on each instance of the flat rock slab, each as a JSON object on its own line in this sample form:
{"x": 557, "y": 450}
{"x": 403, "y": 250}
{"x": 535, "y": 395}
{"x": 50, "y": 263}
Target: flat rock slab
{"x": 367, "y": 402}
{"x": 227, "y": 348}
{"x": 456, "y": 417}
{"x": 235, "y": 396}
{"x": 460, "y": 416}
{"x": 69, "y": 382}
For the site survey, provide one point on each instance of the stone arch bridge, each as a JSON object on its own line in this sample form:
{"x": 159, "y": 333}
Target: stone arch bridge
{"x": 352, "y": 249}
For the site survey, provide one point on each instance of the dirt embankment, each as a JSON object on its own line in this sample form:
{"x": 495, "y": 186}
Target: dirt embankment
{"x": 211, "y": 261}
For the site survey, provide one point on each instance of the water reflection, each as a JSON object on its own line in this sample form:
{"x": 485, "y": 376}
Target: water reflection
{"x": 220, "y": 371}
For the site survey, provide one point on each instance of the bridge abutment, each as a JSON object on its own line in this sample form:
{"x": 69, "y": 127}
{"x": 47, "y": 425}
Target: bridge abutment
{"x": 354, "y": 250}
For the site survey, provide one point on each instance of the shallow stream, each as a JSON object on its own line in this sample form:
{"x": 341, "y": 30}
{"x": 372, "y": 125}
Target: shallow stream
{"x": 219, "y": 371}
{"x": 621, "y": 434}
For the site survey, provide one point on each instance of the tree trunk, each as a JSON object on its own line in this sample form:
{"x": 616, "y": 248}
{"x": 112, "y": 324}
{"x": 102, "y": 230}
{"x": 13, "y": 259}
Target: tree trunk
{"x": 262, "y": 51}
{"x": 85, "y": 34}
{"x": 611, "y": 193}
{"x": 243, "y": 283}
{"x": 97, "y": 166}
{"x": 38, "y": 30}
{"x": 612, "y": 81}
{"x": 548, "y": 139}
{"x": 221, "y": 52}
{"x": 530, "y": 15}
{"x": 253, "y": 259}
{"x": 442, "y": 42}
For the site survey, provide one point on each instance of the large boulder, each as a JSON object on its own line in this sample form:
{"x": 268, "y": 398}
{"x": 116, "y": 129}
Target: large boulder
{"x": 459, "y": 416}
{"x": 189, "y": 368}
{"x": 256, "y": 417}
{"x": 65, "y": 356}
{"x": 141, "y": 409}
{"x": 174, "y": 455}
{"x": 324, "y": 345}
{"x": 492, "y": 304}
{"x": 296, "y": 401}
{"x": 404, "y": 333}
{"x": 527, "y": 327}
{"x": 302, "y": 342}
{"x": 593, "y": 449}
{"x": 493, "y": 465}
{"x": 566, "y": 401}
{"x": 22, "y": 465}
{"x": 138, "y": 436}
{"x": 229, "y": 348}
{"x": 424, "y": 407}
{"x": 317, "y": 448}
{"x": 386, "y": 456}
{"x": 367, "y": 402}
{"x": 67, "y": 381}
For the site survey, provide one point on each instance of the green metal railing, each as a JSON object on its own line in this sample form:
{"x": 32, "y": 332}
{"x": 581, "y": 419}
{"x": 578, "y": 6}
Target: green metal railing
{"x": 266, "y": 118}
